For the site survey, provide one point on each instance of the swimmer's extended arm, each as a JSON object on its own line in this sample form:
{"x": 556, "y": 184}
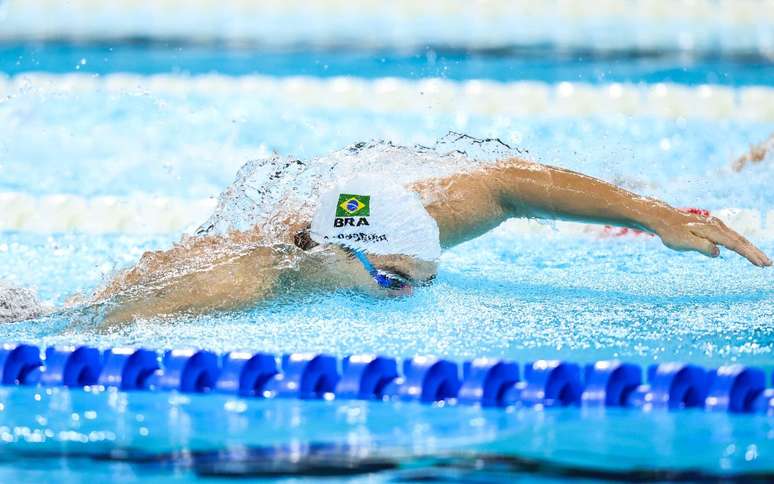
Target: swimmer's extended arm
{"x": 470, "y": 204}
{"x": 196, "y": 276}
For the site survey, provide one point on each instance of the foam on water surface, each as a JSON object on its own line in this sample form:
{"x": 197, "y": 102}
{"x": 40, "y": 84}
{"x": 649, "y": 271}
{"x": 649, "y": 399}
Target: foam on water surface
{"x": 505, "y": 295}
{"x": 18, "y": 304}
{"x": 268, "y": 191}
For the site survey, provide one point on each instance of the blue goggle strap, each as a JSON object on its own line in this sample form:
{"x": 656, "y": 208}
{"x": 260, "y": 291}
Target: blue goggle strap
{"x": 380, "y": 279}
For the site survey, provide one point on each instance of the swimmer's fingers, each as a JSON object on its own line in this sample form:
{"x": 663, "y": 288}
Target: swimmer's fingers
{"x": 692, "y": 242}
{"x": 714, "y": 231}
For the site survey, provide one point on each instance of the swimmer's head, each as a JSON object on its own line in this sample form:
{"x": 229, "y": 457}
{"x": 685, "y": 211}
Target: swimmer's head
{"x": 381, "y": 226}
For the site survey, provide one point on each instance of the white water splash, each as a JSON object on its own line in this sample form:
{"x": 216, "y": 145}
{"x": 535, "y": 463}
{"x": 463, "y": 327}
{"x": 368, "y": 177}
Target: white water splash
{"x": 18, "y": 304}
{"x": 269, "y": 191}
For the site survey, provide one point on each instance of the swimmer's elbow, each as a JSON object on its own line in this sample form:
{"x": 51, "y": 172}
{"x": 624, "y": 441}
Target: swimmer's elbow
{"x": 521, "y": 189}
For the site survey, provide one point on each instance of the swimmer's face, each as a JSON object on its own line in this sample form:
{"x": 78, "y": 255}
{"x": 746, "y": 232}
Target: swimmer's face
{"x": 415, "y": 272}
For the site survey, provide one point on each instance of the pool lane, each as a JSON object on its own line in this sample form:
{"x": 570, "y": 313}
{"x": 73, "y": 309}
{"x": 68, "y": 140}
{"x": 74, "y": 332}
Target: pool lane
{"x": 509, "y": 63}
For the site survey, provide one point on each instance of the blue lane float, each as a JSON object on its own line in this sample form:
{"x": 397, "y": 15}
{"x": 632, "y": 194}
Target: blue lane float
{"x": 246, "y": 374}
{"x": 734, "y": 388}
{"x": 671, "y": 386}
{"x": 20, "y": 364}
{"x": 128, "y": 368}
{"x": 609, "y": 383}
{"x": 763, "y": 403}
{"x": 71, "y": 367}
{"x": 425, "y": 379}
{"x": 186, "y": 370}
{"x": 484, "y": 382}
{"x": 306, "y": 376}
{"x": 548, "y": 383}
{"x": 365, "y": 377}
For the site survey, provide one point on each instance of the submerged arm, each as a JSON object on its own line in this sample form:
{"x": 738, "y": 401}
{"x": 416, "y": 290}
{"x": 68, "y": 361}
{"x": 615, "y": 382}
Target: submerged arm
{"x": 196, "y": 276}
{"x": 470, "y": 204}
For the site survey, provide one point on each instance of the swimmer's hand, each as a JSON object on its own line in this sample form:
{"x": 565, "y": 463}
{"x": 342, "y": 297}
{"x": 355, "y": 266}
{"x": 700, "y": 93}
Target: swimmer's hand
{"x": 690, "y": 231}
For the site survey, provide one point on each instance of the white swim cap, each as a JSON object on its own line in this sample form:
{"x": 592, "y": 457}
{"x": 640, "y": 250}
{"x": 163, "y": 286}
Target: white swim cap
{"x": 377, "y": 217}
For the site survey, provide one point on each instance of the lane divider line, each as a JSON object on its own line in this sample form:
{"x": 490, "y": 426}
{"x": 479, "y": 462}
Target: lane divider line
{"x": 685, "y": 25}
{"x": 484, "y": 382}
{"x": 426, "y": 96}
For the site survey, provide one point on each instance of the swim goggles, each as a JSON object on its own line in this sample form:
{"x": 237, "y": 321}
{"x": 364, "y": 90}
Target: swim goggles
{"x": 384, "y": 279}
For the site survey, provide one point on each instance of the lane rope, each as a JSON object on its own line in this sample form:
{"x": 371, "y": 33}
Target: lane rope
{"x": 686, "y": 25}
{"x": 483, "y": 381}
{"x": 427, "y": 96}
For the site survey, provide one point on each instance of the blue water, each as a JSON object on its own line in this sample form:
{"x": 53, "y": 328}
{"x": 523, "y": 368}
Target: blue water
{"x": 139, "y": 436}
{"x": 506, "y": 294}
{"x": 542, "y": 64}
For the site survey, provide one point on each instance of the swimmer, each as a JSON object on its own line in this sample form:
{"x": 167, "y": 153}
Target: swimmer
{"x": 238, "y": 269}
{"x": 756, "y": 155}
{"x": 406, "y": 226}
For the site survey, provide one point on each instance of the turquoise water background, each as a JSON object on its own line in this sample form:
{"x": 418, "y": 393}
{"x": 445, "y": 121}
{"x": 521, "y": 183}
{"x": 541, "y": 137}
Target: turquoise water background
{"x": 506, "y": 294}
{"x": 541, "y": 63}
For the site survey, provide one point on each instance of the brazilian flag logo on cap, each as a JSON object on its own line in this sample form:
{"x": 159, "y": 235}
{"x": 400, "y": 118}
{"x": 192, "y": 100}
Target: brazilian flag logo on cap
{"x": 353, "y": 205}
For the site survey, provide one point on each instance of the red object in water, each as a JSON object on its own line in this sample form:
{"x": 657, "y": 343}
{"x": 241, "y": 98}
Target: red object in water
{"x": 697, "y": 211}
{"x": 610, "y": 231}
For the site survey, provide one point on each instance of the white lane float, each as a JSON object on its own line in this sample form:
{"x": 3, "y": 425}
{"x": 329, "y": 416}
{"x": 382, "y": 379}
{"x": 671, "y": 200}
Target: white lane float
{"x": 731, "y": 26}
{"x": 428, "y": 96}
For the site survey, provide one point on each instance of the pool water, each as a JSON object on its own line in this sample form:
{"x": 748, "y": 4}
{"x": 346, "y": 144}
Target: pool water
{"x": 506, "y": 295}
{"x": 509, "y": 294}
{"x": 132, "y": 436}
{"x": 200, "y": 139}
{"x": 544, "y": 63}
